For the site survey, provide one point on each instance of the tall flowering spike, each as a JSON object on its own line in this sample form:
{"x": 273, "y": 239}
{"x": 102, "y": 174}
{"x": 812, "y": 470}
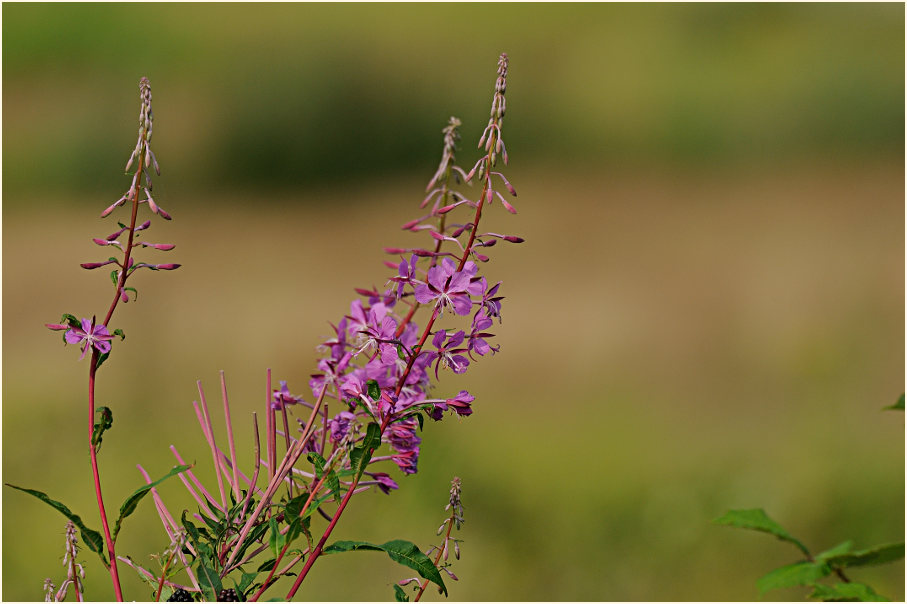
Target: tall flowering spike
{"x": 145, "y": 157}
{"x": 451, "y": 138}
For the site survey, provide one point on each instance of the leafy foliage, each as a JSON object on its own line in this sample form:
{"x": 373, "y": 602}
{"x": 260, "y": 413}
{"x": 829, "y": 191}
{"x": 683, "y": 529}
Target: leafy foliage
{"x": 91, "y": 538}
{"x": 400, "y": 551}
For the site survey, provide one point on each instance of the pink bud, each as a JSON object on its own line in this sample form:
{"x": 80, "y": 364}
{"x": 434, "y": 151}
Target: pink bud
{"x": 94, "y": 265}
{"x": 167, "y": 267}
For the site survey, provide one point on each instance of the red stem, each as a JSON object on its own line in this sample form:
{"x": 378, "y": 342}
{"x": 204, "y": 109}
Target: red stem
{"x": 114, "y": 575}
{"x": 92, "y": 371}
{"x": 327, "y": 533}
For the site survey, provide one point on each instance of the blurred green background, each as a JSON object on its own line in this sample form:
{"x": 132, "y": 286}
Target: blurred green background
{"x": 708, "y": 312}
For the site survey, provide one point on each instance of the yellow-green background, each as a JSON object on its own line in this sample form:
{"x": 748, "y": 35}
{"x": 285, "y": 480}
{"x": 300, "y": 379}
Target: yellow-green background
{"x": 708, "y": 312}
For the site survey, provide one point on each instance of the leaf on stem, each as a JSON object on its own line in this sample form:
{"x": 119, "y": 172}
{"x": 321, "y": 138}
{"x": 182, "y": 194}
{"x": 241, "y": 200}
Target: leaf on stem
{"x": 846, "y": 592}
{"x": 360, "y": 456}
{"x": 91, "y": 538}
{"x": 399, "y": 594}
{"x": 133, "y": 500}
{"x": 758, "y": 520}
{"x": 881, "y": 554}
{"x": 401, "y": 552}
{"x": 798, "y": 573}
{"x": 105, "y": 421}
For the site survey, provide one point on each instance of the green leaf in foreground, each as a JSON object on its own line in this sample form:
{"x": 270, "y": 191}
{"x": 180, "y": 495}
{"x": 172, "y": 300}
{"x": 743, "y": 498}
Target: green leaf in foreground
{"x": 798, "y": 573}
{"x": 360, "y": 456}
{"x": 399, "y": 594}
{"x": 133, "y": 500}
{"x": 846, "y": 592}
{"x": 880, "y": 554}
{"x": 758, "y": 520}
{"x": 208, "y": 580}
{"x": 91, "y": 538}
{"x": 400, "y": 551}
{"x": 898, "y": 406}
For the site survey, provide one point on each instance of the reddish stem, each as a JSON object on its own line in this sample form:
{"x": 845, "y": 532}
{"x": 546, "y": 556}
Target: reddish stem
{"x": 409, "y": 365}
{"x": 92, "y": 371}
{"x": 327, "y": 533}
{"x": 114, "y": 575}
{"x": 450, "y": 523}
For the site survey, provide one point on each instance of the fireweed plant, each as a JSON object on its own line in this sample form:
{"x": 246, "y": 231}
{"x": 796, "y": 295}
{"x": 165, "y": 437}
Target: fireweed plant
{"x": 374, "y": 387}
{"x": 94, "y": 337}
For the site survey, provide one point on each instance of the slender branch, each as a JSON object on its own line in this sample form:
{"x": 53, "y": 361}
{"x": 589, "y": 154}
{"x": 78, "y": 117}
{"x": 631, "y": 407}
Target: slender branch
{"x": 450, "y": 524}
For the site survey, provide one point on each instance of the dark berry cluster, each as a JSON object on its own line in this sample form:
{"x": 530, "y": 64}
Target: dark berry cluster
{"x": 181, "y": 595}
{"x": 228, "y": 595}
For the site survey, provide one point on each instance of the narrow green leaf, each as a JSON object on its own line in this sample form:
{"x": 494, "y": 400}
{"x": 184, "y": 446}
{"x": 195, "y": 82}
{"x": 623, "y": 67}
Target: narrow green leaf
{"x": 841, "y": 548}
{"x": 71, "y": 320}
{"x": 400, "y": 551}
{"x": 275, "y": 539}
{"x": 101, "y": 358}
{"x": 248, "y": 578}
{"x": 846, "y": 592}
{"x": 254, "y": 535}
{"x": 266, "y": 566}
{"x": 103, "y": 423}
{"x": 294, "y": 506}
{"x": 798, "y": 573}
{"x": 360, "y": 456}
{"x": 880, "y": 554}
{"x": 91, "y": 538}
{"x": 133, "y": 500}
{"x": 208, "y": 580}
{"x": 758, "y": 520}
{"x": 374, "y": 391}
{"x": 898, "y": 406}
{"x": 120, "y": 332}
{"x": 399, "y": 594}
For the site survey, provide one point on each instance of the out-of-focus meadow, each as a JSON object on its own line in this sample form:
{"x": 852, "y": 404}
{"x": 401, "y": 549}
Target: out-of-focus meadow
{"x": 708, "y": 312}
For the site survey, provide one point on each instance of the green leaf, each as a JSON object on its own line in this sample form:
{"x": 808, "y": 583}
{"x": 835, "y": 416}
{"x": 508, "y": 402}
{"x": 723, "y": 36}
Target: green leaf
{"x": 133, "y": 500}
{"x": 71, "y": 320}
{"x": 114, "y": 277}
{"x": 798, "y": 573}
{"x": 360, "y": 456}
{"x": 91, "y": 538}
{"x": 208, "y": 580}
{"x": 266, "y": 566}
{"x": 898, "y": 406}
{"x": 880, "y": 554}
{"x": 120, "y": 332}
{"x": 248, "y": 578}
{"x": 373, "y": 390}
{"x": 294, "y": 506}
{"x": 102, "y": 425}
{"x": 275, "y": 539}
{"x": 101, "y": 358}
{"x": 400, "y": 551}
{"x": 841, "y": 548}
{"x": 758, "y": 520}
{"x": 399, "y": 594}
{"x": 846, "y": 592}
